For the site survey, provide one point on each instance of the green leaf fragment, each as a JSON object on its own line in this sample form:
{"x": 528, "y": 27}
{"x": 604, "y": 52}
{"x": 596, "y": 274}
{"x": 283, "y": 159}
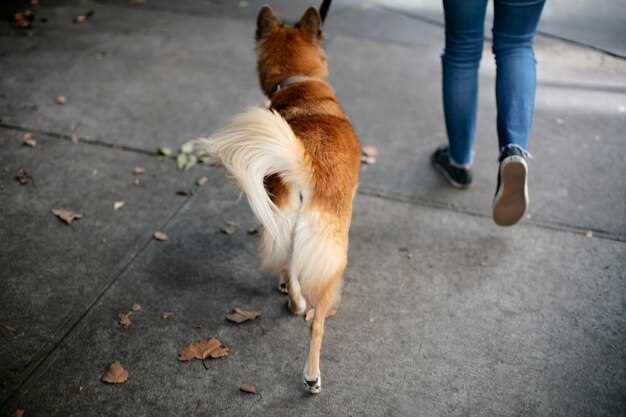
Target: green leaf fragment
{"x": 187, "y": 148}
{"x": 191, "y": 161}
{"x": 165, "y": 151}
{"x": 181, "y": 160}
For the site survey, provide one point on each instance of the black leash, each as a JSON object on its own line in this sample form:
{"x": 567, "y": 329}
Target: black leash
{"x": 324, "y": 9}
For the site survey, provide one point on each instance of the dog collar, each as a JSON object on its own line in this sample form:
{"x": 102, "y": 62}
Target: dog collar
{"x": 294, "y": 79}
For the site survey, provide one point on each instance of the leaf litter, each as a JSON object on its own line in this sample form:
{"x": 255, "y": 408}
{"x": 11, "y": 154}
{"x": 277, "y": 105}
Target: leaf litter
{"x": 23, "y": 177}
{"x": 115, "y": 374}
{"x": 203, "y": 349}
{"x": 68, "y": 216}
{"x": 239, "y": 315}
{"x": 28, "y": 140}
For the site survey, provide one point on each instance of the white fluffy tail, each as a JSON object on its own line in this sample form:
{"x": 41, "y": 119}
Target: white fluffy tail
{"x": 256, "y": 144}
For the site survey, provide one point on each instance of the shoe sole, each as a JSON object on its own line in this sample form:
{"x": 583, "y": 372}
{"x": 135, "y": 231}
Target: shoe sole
{"x": 511, "y": 201}
{"x": 448, "y": 178}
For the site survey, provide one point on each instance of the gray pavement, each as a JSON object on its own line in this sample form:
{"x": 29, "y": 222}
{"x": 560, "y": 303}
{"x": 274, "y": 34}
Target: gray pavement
{"x": 443, "y": 313}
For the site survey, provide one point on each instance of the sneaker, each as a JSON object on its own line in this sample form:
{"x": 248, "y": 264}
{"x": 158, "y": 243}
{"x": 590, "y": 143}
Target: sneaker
{"x": 511, "y": 199}
{"x": 457, "y": 177}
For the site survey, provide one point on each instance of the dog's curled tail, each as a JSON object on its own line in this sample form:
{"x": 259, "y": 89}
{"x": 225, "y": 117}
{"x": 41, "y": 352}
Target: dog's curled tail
{"x": 254, "y": 145}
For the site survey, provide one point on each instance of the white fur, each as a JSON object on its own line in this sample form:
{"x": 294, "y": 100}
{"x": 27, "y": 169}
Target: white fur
{"x": 256, "y": 144}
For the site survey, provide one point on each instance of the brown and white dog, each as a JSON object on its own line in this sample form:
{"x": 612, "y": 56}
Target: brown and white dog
{"x": 298, "y": 164}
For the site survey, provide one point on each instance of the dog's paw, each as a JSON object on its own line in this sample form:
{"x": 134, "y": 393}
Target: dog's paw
{"x": 313, "y": 386}
{"x": 299, "y": 308}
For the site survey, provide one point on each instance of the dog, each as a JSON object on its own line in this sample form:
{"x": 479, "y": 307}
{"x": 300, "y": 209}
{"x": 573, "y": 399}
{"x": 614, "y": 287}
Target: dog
{"x": 297, "y": 162}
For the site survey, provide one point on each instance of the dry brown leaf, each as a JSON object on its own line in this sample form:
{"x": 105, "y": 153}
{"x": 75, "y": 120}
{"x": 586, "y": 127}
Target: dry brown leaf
{"x": 136, "y": 307}
{"x": 167, "y": 315}
{"x": 239, "y": 315}
{"x": 247, "y": 388}
{"x": 115, "y": 374}
{"x": 23, "y": 176}
{"x": 28, "y": 140}
{"x": 160, "y": 236}
{"x": 124, "y": 319}
{"x": 18, "y": 413}
{"x": 202, "y": 180}
{"x": 369, "y": 150}
{"x": 61, "y": 100}
{"x": 310, "y": 314}
{"x": 139, "y": 171}
{"x": 68, "y": 216}
{"x": 229, "y": 228}
{"x": 118, "y": 205}
{"x": 202, "y": 349}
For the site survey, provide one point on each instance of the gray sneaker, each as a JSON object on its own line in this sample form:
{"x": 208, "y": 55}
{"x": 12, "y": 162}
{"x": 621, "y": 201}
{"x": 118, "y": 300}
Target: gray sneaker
{"x": 511, "y": 199}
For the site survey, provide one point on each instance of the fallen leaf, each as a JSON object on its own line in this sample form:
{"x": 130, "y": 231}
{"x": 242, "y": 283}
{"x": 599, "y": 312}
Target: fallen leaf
{"x": 124, "y": 319}
{"x": 229, "y": 228}
{"x": 184, "y": 193}
{"x": 181, "y": 161}
{"x": 247, "y": 388}
{"x": 369, "y": 150}
{"x": 83, "y": 17}
{"x": 253, "y": 231}
{"x": 202, "y": 180}
{"x": 118, "y": 205}
{"x": 165, "y": 151}
{"x": 202, "y": 349}
{"x": 191, "y": 161}
{"x": 239, "y": 315}
{"x": 136, "y": 307}
{"x": 61, "y": 100}
{"x": 167, "y": 315}
{"x": 310, "y": 314}
{"x": 28, "y": 140}
{"x": 23, "y": 176}
{"x": 68, "y": 216}
{"x": 187, "y": 148}
{"x": 18, "y": 413}
{"x": 139, "y": 171}
{"x": 115, "y": 374}
{"x": 160, "y": 236}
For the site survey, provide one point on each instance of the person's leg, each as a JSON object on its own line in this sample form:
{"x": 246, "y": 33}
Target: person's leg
{"x": 515, "y": 23}
{"x": 514, "y": 26}
{"x": 464, "y": 21}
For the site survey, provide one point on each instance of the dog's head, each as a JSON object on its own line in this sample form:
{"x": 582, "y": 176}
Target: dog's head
{"x": 284, "y": 51}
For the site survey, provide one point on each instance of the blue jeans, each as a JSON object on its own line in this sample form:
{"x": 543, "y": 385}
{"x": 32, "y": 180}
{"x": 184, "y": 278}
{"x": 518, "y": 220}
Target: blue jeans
{"x": 514, "y": 26}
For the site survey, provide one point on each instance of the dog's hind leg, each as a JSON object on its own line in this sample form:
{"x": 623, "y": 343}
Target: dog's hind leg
{"x": 312, "y": 374}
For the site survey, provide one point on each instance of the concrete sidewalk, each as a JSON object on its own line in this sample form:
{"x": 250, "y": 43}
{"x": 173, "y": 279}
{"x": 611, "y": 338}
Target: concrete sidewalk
{"x": 443, "y": 313}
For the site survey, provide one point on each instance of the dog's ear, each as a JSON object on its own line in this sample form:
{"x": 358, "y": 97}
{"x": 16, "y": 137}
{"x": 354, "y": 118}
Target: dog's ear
{"x": 311, "y": 22}
{"x": 265, "y": 22}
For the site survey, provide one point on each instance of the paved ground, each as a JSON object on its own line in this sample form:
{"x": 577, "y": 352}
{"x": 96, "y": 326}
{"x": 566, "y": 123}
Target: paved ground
{"x": 443, "y": 312}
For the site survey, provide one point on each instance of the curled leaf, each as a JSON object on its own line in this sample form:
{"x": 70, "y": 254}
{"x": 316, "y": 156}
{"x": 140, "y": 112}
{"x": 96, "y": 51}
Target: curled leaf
{"x": 124, "y": 319}
{"x": 115, "y": 374}
{"x": 247, "y": 388}
{"x": 68, "y": 216}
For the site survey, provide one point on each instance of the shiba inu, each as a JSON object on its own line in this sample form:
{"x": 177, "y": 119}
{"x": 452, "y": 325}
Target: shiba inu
{"x": 298, "y": 164}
